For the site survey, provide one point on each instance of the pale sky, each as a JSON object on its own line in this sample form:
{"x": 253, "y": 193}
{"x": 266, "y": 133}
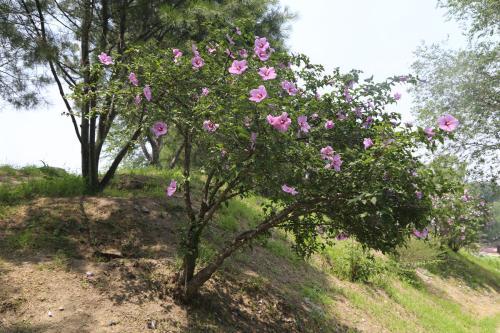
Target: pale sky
{"x": 376, "y": 36}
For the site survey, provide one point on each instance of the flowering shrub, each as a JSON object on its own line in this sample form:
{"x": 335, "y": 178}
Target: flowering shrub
{"x": 458, "y": 218}
{"x": 254, "y": 121}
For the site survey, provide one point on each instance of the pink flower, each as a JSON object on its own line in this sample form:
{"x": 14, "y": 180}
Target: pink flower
{"x": 197, "y": 62}
{"x": 429, "y": 132}
{"x": 448, "y": 123}
{"x": 171, "y": 188}
{"x": 211, "y": 49}
{"x": 280, "y": 123}
{"x": 209, "y": 126}
{"x": 462, "y": 237}
{"x": 421, "y": 234}
{"x": 262, "y": 54}
{"x": 367, "y": 142}
{"x": 105, "y": 59}
{"x": 289, "y": 87}
{"x": 267, "y": 73}
{"x": 205, "y": 91}
{"x": 314, "y": 116}
{"x": 237, "y": 31}
{"x": 177, "y": 54}
{"x": 327, "y": 153}
{"x": 317, "y": 95}
{"x": 238, "y": 67}
{"x": 159, "y": 128}
{"x": 133, "y": 79}
{"x": 397, "y": 96}
{"x": 303, "y": 125}
{"x": 261, "y": 43}
{"x": 137, "y": 99}
{"x": 147, "y": 92}
{"x": 243, "y": 53}
{"x": 335, "y": 162}
{"x": 288, "y": 189}
{"x": 257, "y": 95}
{"x": 329, "y": 124}
{"x": 419, "y": 195}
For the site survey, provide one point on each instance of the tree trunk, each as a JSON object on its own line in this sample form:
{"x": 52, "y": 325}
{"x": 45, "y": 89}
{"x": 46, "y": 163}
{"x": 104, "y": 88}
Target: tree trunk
{"x": 177, "y": 154}
{"x": 85, "y": 107}
{"x": 191, "y": 286}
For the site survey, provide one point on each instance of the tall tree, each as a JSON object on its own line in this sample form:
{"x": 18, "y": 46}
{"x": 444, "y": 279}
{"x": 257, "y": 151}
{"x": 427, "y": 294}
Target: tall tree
{"x": 56, "y": 41}
{"x": 465, "y": 82}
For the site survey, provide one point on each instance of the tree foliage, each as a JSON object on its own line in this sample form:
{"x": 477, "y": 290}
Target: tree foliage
{"x": 465, "y": 82}
{"x": 251, "y": 133}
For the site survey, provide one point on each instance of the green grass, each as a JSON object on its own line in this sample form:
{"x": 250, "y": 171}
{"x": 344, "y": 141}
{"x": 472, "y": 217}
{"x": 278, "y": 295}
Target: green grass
{"x": 31, "y": 182}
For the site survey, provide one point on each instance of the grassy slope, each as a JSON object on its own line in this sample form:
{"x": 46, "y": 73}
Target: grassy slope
{"x": 263, "y": 289}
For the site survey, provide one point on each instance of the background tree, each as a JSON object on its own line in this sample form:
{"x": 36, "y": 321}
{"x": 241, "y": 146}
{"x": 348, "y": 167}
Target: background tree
{"x": 45, "y": 41}
{"x": 465, "y": 82}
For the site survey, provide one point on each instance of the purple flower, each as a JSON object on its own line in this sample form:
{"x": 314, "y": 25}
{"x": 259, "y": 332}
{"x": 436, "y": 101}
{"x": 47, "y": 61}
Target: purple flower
{"x": 448, "y": 123}
{"x": 367, "y": 142}
{"x": 205, "y": 91}
{"x": 288, "y": 189}
{"x": 133, "y": 79}
{"x": 171, "y": 188}
{"x": 397, "y": 96}
{"x": 197, "y": 62}
{"x": 257, "y": 95}
{"x": 419, "y": 195}
{"x": 159, "y": 128}
{"x": 303, "y": 125}
{"x": 105, "y": 59}
{"x": 210, "y": 126}
{"x": 147, "y": 92}
{"x": 421, "y": 234}
{"x": 289, "y": 87}
{"x": 238, "y": 67}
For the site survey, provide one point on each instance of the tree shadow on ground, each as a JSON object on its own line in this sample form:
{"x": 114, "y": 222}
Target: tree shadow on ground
{"x": 256, "y": 291}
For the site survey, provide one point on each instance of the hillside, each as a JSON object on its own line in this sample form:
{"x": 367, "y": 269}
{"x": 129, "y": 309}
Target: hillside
{"x": 104, "y": 264}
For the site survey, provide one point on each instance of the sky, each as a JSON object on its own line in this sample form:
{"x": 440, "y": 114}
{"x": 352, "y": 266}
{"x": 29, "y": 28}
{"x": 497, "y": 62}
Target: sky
{"x": 375, "y": 36}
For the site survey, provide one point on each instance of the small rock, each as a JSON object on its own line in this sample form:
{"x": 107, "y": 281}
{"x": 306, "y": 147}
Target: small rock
{"x": 89, "y": 274}
{"x": 152, "y": 324}
{"x": 112, "y": 323}
{"x": 50, "y": 314}
{"x": 61, "y": 308}
{"x": 145, "y": 210}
